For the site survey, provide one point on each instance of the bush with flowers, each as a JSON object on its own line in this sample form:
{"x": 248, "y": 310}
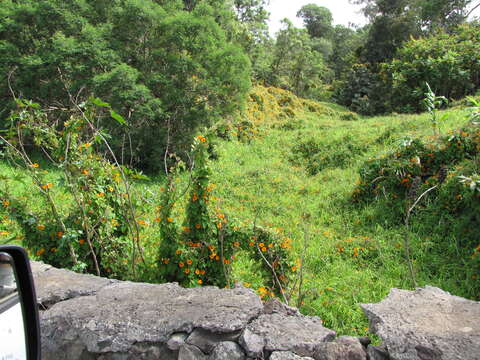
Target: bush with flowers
{"x": 95, "y": 233}
{"x": 201, "y": 249}
{"x": 439, "y": 181}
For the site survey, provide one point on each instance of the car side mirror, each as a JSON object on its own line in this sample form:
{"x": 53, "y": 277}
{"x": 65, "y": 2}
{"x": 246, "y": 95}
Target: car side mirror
{"x": 19, "y": 325}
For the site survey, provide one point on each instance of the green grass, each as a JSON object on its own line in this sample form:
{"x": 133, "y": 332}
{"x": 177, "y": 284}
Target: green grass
{"x": 265, "y": 181}
{"x": 257, "y": 181}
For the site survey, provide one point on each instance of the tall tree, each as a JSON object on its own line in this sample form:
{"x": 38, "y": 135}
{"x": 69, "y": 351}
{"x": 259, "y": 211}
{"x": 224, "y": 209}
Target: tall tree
{"x": 317, "y": 20}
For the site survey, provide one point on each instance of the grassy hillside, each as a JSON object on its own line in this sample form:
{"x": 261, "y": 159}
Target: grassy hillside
{"x": 293, "y": 166}
{"x": 309, "y": 164}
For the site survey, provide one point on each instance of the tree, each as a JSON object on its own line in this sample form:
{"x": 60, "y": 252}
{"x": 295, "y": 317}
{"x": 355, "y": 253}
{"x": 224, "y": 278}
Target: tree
{"x": 317, "y": 20}
{"x": 166, "y": 70}
{"x": 296, "y": 66}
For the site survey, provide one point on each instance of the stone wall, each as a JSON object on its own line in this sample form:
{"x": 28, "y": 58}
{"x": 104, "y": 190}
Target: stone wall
{"x": 85, "y": 317}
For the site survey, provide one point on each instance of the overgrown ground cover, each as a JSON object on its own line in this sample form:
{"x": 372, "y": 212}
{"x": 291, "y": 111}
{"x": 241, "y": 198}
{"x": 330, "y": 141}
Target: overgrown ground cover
{"x": 294, "y": 167}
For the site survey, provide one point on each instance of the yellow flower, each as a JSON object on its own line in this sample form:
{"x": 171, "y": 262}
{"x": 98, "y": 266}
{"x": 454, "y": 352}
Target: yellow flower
{"x": 101, "y": 194}
{"x": 35, "y": 165}
{"x": 247, "y": 284}
{"x": 5, "y": 203}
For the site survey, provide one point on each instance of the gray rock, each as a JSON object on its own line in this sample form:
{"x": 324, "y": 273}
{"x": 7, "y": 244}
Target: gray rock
{"x": 252, "y": 343}
{"x": 299, "y": 334}
{"x": 343, "y": 348}
{"x": 227, "y": 350}
{"x": 190, "y": 352}
{"x": 425, "y": 324}
{"x": 176, "y": 340}
{"x": 53, "y": 285}
{"x": 207, "y": 341}
{"x": 274, "y": 306}
{"x": 123, "y": 314}
{"x": 377, "y": 353}
{"x": 287, "y": 355}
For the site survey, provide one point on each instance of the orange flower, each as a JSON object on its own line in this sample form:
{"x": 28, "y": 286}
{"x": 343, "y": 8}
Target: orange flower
{"x": 261, "y": 245}
{"x": 270, "y": 246}
{"x": 194, "y": 197}
{"x": 202, "y": 272}
{"x": 41, "y": 227}
{"x": 81, "y": 241}
{"x": 59, "y": 234}
{"x": 226, "y": 261}
{"x": 217, "y": 258}
{"x": 197, "y": 272}
{"x": 141, "y": 222}
{"x": 236, "y": 244}
{"x": 200, "y": 282}
{"x": 264, "y": 249}
{"x": 166, "y": 261}
{"x": 85, "y": 172}
{"x": 53, "y": 250}
{"x": 35, "y": 165}
{"x": 40, "y": 252}
{"x": 189, "y": 262}
{"x": 181, "y": 264}
{"x": 211, "y": 248}
{"x": 186, "y": 271}
{"x": 251, "y": 243}
{"x": 46, "y": 186}
{"x": 178, "y": 252}
{"x": 101, "y": 194}
{"x": 198, "y": 226}
{"x": 186, "y": 229}
{"x": 219, "y": 225}
{"x": 5, "y": 203}
{"x": 212, "y": 256}
{"x": 169, "y": 219}
{"x": 294, "y": 268}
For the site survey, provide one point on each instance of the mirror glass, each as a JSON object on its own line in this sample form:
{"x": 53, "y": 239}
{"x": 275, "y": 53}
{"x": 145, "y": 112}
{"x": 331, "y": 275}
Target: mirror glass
{"x": 12, "y": 332}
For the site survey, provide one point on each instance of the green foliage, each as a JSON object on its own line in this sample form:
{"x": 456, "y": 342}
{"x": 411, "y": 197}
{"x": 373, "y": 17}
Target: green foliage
{"x": 363, "y": 91}
{"x": 317, "y": 20}
{"x": 317, "y": 154}
{"x": 296, "y": 66}
{"x": 450, "y": 167}
{"x": 92, "y": 235}
{"x": 432, "y": 104}
{"x": 203, "y": 250}
{"x": 167, "y": 71}
{"x": 449, "y": 63}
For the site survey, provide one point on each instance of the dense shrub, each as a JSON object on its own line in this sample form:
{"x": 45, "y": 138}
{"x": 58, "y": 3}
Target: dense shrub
{"x": 317, "y": 154}
{"x": 446, "y": 172}
{"x": 449, "y": 62}
{"x": 363, "y": 91}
